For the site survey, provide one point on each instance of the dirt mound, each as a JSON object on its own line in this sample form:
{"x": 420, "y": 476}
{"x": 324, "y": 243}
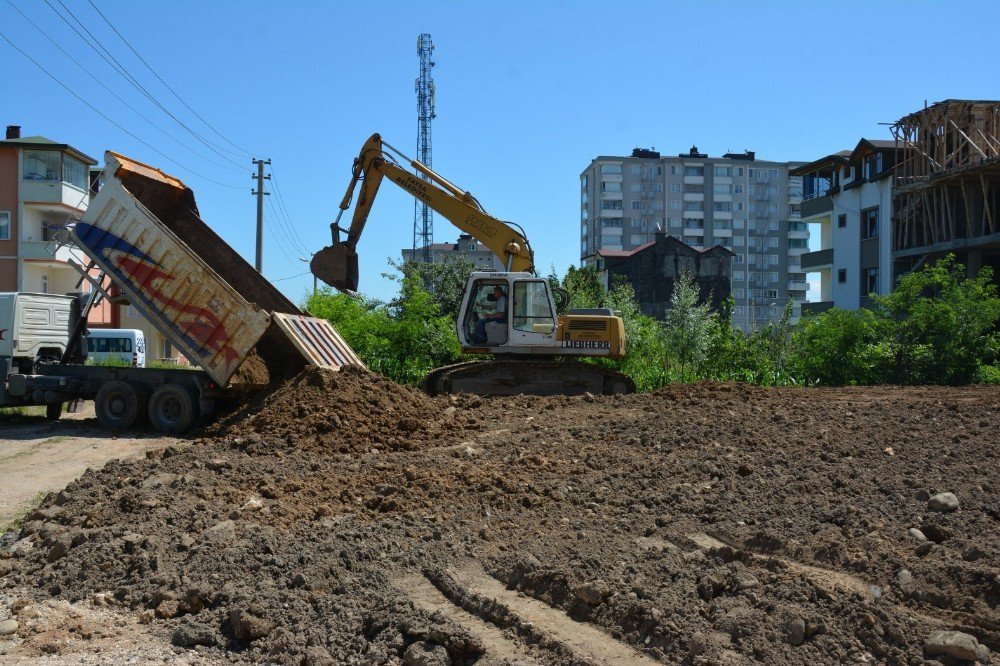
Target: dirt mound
{"x": 351, "y": 411}
{"x": 699, "y": 524}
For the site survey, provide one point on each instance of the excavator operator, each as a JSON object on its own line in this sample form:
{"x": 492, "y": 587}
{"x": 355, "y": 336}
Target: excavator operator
{"x": 498, "y": 315}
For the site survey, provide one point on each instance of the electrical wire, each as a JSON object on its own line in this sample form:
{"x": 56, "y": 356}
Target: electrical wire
{"x": 277, "y": 240}
{"x": 288, "y": 218}
{"x": 106, "y": 117}
{"x": 118, "y": 67}
{"x": 290, "y": 277}
{"x": 165, "y": 84}
{"x": 283, "y": 238}
{"x": 115, "y": 95}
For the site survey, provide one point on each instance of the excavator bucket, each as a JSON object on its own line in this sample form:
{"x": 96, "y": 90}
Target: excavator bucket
{"x": 337, "y": 265}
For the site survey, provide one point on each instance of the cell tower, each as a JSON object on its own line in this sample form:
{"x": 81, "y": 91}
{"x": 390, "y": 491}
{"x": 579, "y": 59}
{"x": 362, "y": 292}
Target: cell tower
{"x": 423, "y": 220}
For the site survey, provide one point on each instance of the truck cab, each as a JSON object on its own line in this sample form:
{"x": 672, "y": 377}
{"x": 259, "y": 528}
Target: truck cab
{"x": 34, "y": 329}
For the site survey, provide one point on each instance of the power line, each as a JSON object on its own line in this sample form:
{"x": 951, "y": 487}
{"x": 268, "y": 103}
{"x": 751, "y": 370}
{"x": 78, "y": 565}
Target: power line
{"x": 290, "y": 277}
{"x": 281, "y": 246}
{"x": 106, "y": 117}
{"x": 118, "y": 67}
{"x": 281, "y": 203}
{"x": 165, "y": 84}
{"x": 114, "y": 94}
{"x": 291, "y": 246}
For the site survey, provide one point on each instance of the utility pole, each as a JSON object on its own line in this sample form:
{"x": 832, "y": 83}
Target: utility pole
{"x": 260, "y": 194}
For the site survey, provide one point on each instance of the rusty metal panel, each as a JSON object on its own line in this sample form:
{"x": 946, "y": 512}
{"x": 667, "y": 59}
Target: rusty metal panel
{"x": 167, "y": 281}
{"x": 318, "y": 341}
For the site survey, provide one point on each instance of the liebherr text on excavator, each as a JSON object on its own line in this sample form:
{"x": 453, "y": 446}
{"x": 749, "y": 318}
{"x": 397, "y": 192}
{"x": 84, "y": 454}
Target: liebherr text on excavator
{"x": 534, "y": 345}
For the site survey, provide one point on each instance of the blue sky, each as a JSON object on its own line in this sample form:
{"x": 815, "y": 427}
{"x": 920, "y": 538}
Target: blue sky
{"x": 528, "y": 93}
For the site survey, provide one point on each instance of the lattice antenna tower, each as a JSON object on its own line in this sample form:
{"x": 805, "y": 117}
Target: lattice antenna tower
{"x": 423, "y": 217}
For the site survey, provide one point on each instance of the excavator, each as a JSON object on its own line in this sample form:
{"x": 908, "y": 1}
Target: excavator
{"x": 512, "y": 315}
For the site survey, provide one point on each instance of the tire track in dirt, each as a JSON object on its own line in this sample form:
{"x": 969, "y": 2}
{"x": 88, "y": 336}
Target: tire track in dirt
{"x": 499, "y": 648}
{"x": 471, "y": 588}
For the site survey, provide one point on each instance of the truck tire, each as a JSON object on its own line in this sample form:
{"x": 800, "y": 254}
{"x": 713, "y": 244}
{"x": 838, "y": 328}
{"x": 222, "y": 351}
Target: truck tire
{"x": 117, "y": 405}
{"x": 53, "y": 411}
{"x": 172, "y": 409}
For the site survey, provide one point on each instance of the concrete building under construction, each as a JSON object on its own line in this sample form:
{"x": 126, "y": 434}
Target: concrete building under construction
{"x": 946, "y": 195}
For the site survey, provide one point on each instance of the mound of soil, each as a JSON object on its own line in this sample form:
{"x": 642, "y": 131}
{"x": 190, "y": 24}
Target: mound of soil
{"x": 698, "y": 524}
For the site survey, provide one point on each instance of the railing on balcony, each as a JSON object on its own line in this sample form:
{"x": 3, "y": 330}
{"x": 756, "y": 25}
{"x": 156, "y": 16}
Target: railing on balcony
{"x": 816, "y": 308}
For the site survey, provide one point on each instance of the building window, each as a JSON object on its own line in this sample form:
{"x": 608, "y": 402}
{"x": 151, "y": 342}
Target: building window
{"x": 772, "y": 241}
{"x": 739, "y": 276}
{"x": 607, "y": 186}
{"x": 723, "y": 171}
{"x": 4, "y": 225}
{"x": 583, "y": 182}
{"x": 611, "y": 205}
{"x": 675, "y": 170}
{"x": 869, "y": 223}
{"x": 869, "y": 281}
{"x": 657, "y": 205}
{"x": 168, "y": 350}
{"x": 772, "y": 260}
{"x": 738, "y": 292}
{"x": 635, "y": 188}
{"x": 842, "y": 221}
{"x": 611, "y": 222}
{"x": 638, "y": 205}
{"x": 739, "y": 259}
{"x": 132, "y": 312}
{"x": 798, "y": 243}
{"x": 635, "y": 170}
{"x": 738, "y": 241}
{"x": 611, "y": 169}
{"x": 675, "y": 187}
{"x": 722, "y": 189}
{"x": 45, "y": 284}
{"x": 722, "y": 206}
{"x": 842, "y": 275}
{"x": 53, "y": 165}
{"x": 694, "y": 171}
{"x": 693, "y": 205}
{"x": 739, "y": 172}
{"x": 772, "y": 277}
{"x": 675, "y": 204}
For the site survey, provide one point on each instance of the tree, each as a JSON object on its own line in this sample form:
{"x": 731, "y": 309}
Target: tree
{"x": 943, "y": 323}
{"x": 444, "y": 280}
{"x": 687, "y": 326}
{"x": 586, "y": 290}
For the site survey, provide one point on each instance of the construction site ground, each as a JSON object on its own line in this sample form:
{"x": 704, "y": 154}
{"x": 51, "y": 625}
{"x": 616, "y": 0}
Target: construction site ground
{"x": 346, "y": 519}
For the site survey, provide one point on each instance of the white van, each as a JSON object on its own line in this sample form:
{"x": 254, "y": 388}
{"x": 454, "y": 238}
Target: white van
{"x": 34, "y": 328}
{"x": 116, "y": 345}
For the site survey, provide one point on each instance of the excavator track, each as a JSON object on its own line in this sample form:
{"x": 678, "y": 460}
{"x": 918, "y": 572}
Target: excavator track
{"x": 532, "y": 376}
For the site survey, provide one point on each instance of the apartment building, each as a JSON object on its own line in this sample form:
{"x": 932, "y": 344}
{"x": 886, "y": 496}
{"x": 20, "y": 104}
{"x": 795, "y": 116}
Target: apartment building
{"x": 45, "y": 185}
{"x": 848, "y": 195}
{"x": 466, "y": 247}
{"x": 744, "y": 204}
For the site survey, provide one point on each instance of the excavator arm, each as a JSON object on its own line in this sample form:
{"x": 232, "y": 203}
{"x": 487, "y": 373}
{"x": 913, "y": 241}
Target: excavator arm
{"x": 337, "y": 264}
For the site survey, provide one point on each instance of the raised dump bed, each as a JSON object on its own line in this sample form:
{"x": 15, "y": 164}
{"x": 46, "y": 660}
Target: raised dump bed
{"x": 144, "y": 231}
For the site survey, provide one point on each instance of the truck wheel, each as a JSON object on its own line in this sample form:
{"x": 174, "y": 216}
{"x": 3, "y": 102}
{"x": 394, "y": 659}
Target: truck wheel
{"x": 53, "y": 411}
{"x": 117, "y": 405}
{"x": 172, "y": 409}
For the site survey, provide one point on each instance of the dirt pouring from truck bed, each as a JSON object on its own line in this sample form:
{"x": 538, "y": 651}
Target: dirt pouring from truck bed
{"x": 346, "y": 519}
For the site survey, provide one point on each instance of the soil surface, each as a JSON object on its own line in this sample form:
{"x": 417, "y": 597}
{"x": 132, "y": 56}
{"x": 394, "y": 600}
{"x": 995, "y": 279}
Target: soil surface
{"x": 345, "y": 519}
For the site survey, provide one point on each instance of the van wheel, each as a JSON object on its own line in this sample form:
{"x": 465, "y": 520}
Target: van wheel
{"x": 53, "y": 411}
{"x": 172, "y": 409}
{"x": 117, "y": 405}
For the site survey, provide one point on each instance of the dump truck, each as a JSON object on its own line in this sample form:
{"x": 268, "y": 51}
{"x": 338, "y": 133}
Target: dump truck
{"x": 143, "y": 234}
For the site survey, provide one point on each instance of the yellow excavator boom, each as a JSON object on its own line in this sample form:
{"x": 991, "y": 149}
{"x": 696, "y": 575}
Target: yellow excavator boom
{"x": 337, "y": 264}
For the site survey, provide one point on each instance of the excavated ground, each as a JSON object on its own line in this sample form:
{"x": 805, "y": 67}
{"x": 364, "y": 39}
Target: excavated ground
{"x": 346, "y": 519}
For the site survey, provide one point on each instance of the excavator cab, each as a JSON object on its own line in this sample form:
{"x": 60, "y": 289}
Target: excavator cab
{"x": 507, "y": 313}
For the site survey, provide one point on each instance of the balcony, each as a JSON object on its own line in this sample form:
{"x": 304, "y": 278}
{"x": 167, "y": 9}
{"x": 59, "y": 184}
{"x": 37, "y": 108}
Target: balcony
{"x": 802, "y": 234}
{"x": 816, "y": 308}
{"x": 722, "y": 232}
{"x": 798, "y": 286}
{"x": 54, "y": 192}
{"x": 694, "y": 196}
{"x": 694, "y": 180}
{"x": 816, "y": 206}
{"x": 813, "y": 261}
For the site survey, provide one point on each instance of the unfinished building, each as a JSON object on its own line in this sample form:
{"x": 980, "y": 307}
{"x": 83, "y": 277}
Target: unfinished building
{"x": 946, "y": 197}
